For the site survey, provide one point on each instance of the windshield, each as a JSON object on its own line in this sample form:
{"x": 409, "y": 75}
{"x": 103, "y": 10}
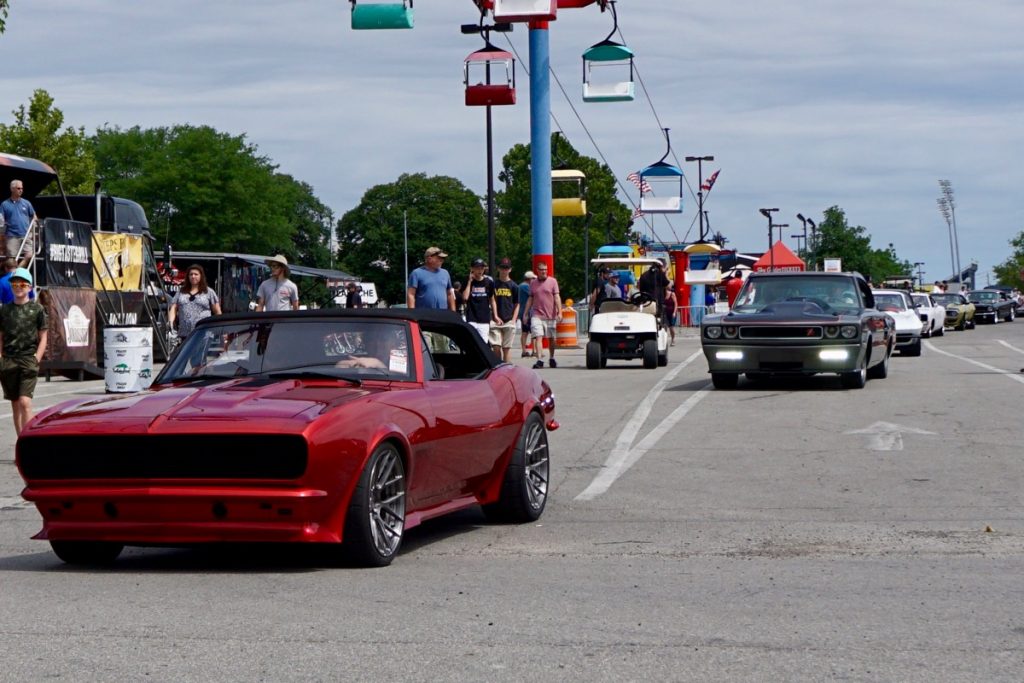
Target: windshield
{"x": 922, "y": 300}
{"x": 984, "y": 296}
{"x": 890, "y": 303}
{"x": 831, "y": 294}
{"x": 346, "y": 349}
{"x": 947, "y": 299}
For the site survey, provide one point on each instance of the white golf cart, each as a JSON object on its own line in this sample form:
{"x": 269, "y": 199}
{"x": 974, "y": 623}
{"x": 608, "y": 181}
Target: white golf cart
{"x": 627, "y": 329}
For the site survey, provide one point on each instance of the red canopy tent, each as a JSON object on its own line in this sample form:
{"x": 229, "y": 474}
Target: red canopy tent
{"x": 781, "y": 258}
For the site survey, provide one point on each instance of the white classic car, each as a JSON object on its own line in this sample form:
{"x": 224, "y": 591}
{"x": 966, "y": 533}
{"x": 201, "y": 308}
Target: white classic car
{"x": 900, "y": 307}
{"x": 932, "y": 314}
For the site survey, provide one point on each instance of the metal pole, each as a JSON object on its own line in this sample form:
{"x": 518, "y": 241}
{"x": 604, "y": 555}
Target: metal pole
{"x": 956, "y": 242}
{"x": 700, "y": 197}
{"x": 490, "y": 180}
{"x": 405, "y": 242}
{"x": 540, "y": 144}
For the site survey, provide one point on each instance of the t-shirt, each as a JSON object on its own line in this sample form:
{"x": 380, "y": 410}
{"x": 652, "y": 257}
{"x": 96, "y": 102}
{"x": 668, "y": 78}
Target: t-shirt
{"x": 431, "y": 287}
{"x": 21, "y": 326}
{"x": 353, "y": 299}
{"x": 192, "y": 308}
{"x": 277, "y": 295}
{"x": 544, "y": 293}
{"x": 505, "y": 295}
{"x": 17, "y": 216}
{"x": 524, "y": 296}
{"x": 653, "y": 282}
{"x": 478, "y": 305}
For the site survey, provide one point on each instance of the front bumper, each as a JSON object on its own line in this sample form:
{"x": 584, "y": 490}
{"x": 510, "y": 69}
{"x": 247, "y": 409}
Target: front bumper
{"x": 790, "y": 359}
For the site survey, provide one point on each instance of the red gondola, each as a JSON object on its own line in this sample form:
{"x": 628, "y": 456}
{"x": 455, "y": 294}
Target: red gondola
{"x": 485, "y": 64}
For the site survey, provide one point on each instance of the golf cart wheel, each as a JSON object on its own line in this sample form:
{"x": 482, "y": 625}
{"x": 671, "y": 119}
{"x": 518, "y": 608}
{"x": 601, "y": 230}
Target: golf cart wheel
{"x": 650, "y": 353}
{"x": 594, "y": 355}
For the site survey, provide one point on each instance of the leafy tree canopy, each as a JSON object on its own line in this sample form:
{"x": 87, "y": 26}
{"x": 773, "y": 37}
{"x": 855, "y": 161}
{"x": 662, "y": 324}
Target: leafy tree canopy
{"x": 3, "y": 15}
{"x": 514, "y": 232}
{"x": 1009, "y": 271}
{"x": 440, "y": 211}
{"x": 36, "y": 133}
{"x": 852, "y": 244}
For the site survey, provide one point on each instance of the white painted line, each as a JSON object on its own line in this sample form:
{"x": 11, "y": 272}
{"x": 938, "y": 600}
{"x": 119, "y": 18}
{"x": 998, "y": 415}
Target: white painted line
{"x": 991, "y": 368}
{"x": 1010, "y": 346}
{"x": 622, "y": 457}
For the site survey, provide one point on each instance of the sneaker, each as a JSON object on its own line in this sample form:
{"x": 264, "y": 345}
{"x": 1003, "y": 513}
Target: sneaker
{"x": 526, "y": 354}
{"x": 552, "y": 363}
{"x": 538, "y": 365}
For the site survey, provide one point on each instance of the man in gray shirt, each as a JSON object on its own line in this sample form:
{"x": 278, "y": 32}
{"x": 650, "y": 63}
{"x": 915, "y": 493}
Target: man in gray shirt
{"x": 277, "y": 293}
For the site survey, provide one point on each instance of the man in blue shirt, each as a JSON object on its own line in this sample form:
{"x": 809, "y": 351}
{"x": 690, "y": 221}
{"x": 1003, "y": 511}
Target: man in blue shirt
{"x": 430, "y": 285}
{"x": 18, "y": 215}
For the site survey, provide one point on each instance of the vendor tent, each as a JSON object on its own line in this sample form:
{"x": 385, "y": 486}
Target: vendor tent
{"x": 779, "y": 258}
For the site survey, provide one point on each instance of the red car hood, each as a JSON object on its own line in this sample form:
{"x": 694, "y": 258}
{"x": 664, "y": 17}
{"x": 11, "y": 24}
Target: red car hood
{"x": 231, "y": 401}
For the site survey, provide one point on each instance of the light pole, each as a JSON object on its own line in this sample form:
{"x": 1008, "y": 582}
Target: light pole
{"x": 950, "y": 201}
{"x": 767, "y": 213}
{"x": 944, "y": 210}
{"x": 799, "y": 249}
{"x": 920, "y": 273}
{"x": 780, "y": 226}
{"x": 800, "y": 217}
{"x": 700, "y": 190}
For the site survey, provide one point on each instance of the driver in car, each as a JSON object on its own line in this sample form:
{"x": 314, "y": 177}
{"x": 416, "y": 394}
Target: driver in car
{"x": 378, "y": 345}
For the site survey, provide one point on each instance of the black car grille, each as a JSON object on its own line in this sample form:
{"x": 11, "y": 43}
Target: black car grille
{"x": 780, "y": 332}
{"x": 175, "y": 456}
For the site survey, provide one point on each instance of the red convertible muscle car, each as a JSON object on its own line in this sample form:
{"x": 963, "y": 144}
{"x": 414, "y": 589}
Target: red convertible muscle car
{"x": 311, "y": 426}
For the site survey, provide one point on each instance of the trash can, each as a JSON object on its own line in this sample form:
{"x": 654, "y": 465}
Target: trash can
{"x": 127, "y": 358}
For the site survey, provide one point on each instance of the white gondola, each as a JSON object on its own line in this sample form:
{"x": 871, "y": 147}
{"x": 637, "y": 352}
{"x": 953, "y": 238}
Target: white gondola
{"x": 525, "y": 10}
{"x": 661, "y": 185}
{"x": 608, "y": 57}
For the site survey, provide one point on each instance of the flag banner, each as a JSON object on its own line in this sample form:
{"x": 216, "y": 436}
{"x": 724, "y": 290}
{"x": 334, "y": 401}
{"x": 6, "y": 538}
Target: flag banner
{"x": 710, "y": 182}
{"x": 71, "y": 315}
{"x": 67, "y": 253}
{"x": 640, "y": 183}
{"x": 122, "y": 254}
{"x": 637, "y": 213}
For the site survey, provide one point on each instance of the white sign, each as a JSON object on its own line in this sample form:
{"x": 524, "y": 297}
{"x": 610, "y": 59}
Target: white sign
{"x": 833, "y": 265}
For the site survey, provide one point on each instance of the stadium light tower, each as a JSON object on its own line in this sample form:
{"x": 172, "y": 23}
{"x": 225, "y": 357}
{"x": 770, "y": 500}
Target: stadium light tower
{"x": 950, "y": 203}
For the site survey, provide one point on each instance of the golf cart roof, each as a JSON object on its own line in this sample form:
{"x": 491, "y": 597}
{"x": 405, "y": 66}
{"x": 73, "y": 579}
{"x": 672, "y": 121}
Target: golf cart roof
{"x": 627, "y": 262}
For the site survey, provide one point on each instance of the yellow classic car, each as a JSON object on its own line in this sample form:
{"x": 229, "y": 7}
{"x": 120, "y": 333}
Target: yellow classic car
{"x": 959, "y": 311}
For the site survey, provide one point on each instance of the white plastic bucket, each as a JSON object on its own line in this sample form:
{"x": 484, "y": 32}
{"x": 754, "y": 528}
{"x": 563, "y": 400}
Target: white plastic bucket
{"x": 127, "y": 358}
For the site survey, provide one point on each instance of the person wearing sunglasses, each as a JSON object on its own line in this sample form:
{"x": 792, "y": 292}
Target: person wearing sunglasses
{"x": 6, "y": 293}
{"x": 194, "y": 301}
{"x": 23, "y": 327}
{"x": 277, "y": 293}
{"x": 18, "y": 215}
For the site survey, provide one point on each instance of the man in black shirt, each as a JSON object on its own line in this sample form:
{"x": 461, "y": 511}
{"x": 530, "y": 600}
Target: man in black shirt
{"x": 479, "y": 296}
{"x": 506, "y": 298}
{"x": 353, "y": 299}
{"x": 653, "y": 283}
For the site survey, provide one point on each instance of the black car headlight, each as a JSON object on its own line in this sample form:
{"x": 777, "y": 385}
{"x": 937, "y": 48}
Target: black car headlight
{"x": 849, "y": 331}
{"x": 831, "y": 331}
{"x": 730, "y": 332}
{"x": 713, "y": 332}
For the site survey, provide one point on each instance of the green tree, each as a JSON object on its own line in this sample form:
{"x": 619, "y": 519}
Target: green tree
{"x": 1009, "y": 271}
{"x": 514, "y": 231}
{"x": 36, "y": 133}
{"x": 440, "y": 211}
{"x": 313, "y": 223}
{"x": 3, "y": 15}
{"x": 212, "y": 190}
{"x": 852, "y": 244}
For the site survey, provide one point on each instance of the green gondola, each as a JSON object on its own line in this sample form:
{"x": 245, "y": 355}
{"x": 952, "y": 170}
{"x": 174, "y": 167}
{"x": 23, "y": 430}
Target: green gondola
{"x": 381, "y": 15}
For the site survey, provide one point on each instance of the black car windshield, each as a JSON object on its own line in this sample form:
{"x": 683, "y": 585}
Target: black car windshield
{"x": 832, "y": 294}
{"x": 347, "y": 349}
{"x": 890, "y": 303}
{"x": 987, "y": 297}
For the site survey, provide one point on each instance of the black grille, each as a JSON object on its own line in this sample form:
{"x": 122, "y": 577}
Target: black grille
{"x": 780, "y": 332}
{"x": 177, "y": 456}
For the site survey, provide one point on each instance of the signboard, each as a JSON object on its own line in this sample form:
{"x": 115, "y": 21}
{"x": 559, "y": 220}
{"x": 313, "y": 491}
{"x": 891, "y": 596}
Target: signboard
{"x": 72, "y": 325}
{"x": 68, "y": 253}
{"x": 833, "y": 265}
{"x": 118, "y": 259}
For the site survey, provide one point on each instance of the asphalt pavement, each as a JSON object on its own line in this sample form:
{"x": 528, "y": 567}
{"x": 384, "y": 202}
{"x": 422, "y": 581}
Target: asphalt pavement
{"x": 786, "y": 530}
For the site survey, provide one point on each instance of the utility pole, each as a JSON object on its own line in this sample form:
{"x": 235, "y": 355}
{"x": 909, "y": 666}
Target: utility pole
{"x": 767, "y": 213}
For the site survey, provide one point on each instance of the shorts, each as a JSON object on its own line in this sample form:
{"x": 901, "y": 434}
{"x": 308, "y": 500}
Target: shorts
{"x": 483, "y": 329}
{"x": 541, "y": 327}
{"x": 502, "y": 335}
{"x": 18, "y": 376}
{"x": 14, "y": 245}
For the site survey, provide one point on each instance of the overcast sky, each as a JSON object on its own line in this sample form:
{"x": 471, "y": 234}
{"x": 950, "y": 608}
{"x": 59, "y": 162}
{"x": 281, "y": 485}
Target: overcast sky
{"x": 804, "y": 104}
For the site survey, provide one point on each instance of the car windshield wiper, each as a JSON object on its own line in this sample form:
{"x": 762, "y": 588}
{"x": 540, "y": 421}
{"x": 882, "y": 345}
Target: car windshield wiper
{"x": 299, "y": 373}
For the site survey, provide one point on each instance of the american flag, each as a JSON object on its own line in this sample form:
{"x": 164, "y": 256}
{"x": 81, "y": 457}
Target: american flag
{"x": 641, "y": 184}
{"x": 637, "y": 213}
{"x": 710, "y": 182}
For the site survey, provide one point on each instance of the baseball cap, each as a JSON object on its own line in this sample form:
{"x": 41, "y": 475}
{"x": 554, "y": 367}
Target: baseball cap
{"x": 613, "y": 274}
{"x": 22, "y": 274}
{"x": 478, "y": 263}
{"x": 505, "y": 263}
{"x": 435, "y": 251}
{"x": 530, "y": 275}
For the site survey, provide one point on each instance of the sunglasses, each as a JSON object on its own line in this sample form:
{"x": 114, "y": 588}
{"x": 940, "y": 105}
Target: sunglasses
{"x": 20, "y": 285}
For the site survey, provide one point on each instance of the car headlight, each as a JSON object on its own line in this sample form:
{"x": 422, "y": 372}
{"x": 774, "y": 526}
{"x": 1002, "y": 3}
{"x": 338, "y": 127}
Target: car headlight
{"x": 713, "y": 332}
{"x": 849, "y": 331}
{"x": 832, "y": 331}
{"x": 730, "y": 332}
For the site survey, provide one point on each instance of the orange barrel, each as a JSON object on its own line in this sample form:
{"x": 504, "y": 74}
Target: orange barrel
{"x": 565, "y": 330}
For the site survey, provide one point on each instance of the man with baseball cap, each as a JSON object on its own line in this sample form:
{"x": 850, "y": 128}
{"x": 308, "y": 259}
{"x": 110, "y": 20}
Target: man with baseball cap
{"x": 23, "y": 328}
{"x": 524, "y": 319}
{"x": 430, "y": 285}
{"x": 277, "y": 293}
{"x": 506, "y": 301}
{"x": 479, "y": 297}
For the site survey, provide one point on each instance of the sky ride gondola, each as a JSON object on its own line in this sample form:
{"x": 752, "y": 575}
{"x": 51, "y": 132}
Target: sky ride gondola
{"x": 524, "y": 10}
{"x": 611, "y": 56}
{"x": 665, "y": 177}
{"x": 382, "y": 15}
{"x": 568, "y": 193}
{"x": 486, "y": 92}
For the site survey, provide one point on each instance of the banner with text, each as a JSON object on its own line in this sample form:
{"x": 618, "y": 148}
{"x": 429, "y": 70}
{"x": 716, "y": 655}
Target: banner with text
{"x": 72, "y": 325}
{"x": 118, "y": 259}
{"x": 68, "y": 253}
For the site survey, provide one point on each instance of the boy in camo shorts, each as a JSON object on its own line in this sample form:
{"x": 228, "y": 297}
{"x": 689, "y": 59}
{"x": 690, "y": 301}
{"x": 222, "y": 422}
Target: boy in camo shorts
{"x": 22, "y": 345}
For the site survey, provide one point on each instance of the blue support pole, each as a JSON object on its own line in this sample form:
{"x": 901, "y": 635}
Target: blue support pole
{"x": 540, "y": 144}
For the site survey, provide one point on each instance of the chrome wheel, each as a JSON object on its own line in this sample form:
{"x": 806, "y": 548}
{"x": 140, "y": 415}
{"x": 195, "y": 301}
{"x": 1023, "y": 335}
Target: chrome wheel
{"x": 387, "y": 502}
{"x": 524, "y": 487}
{"x": 536, "y": 465}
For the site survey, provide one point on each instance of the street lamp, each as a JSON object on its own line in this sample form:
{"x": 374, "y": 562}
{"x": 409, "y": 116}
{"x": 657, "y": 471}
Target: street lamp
{"x": 920, "y": 273}
{"x": 700, "y": 190}
{"x": 800, "y": 217}
{"x": 798, "y": 237}
{"x": 767, "y": 213}
{"x": 947, "y": 204}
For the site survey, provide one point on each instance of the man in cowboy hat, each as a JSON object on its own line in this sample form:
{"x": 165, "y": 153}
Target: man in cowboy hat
{"x": 277, "y": 293}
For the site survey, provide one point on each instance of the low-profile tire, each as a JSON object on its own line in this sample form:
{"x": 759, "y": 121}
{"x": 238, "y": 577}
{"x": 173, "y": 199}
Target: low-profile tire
{"x": 962, "y": 326}
{"x": 972, "y": 324}
{"x": 856, "y": 379}
{"x": 524, "y": 489}
{"x": 757, "y": 376}
{"x": 725, "y": 380}
{"x": 941, "y": 332}
{"x": 1011, "y": 316}
{"x": 662, "y": 359}
{"x": 87, "y": 552}
{"x": 594, "y": 355}
{"x": 650, "y": 353}
{"x": 375, "y": 523}
{"x": 913, "y": 350}
{"x": 881, "y": 370}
